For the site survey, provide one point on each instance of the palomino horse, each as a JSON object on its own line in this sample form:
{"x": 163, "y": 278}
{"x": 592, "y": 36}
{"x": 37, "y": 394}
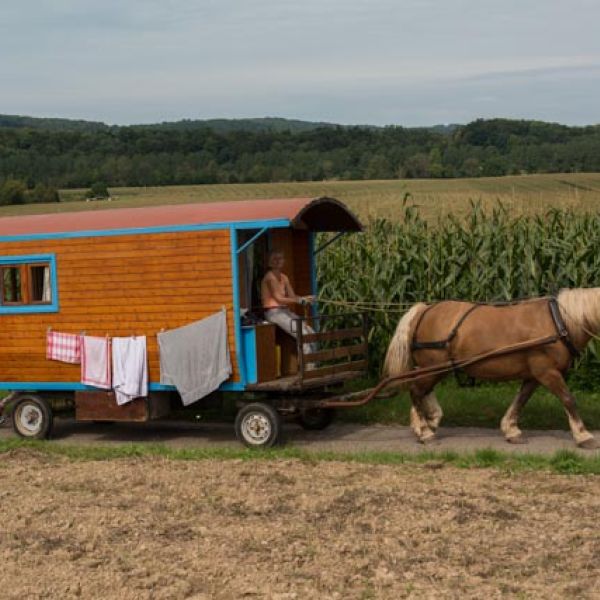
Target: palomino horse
{"x": 453, "y": 331}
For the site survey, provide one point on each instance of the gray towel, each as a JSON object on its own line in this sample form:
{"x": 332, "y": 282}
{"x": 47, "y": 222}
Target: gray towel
{"x": 195, "y": 358}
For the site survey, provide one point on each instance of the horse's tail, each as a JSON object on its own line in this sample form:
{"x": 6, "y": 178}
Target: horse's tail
{"x": 398, "y": 358}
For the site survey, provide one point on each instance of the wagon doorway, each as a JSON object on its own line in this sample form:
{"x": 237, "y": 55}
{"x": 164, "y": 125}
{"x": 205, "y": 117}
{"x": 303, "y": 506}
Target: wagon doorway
{"x": 252, "y": 267}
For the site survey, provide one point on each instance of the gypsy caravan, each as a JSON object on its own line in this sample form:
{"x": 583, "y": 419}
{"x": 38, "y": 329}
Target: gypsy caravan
{"x": 138, "y": 272}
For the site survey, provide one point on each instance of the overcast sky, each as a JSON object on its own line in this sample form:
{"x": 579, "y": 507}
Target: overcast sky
{"x": 406, "y": 62}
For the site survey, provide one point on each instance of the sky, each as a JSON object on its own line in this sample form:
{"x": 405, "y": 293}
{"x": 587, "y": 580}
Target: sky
{"x": 380, "y": 62}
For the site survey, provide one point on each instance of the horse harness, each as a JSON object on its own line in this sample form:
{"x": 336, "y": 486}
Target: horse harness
{"x": 562, "y": 332}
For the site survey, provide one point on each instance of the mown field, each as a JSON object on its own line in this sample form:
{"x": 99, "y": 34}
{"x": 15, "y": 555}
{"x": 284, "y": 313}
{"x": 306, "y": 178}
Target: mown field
{"x": 148, "y": 527}
{"x": 526, "y": 194}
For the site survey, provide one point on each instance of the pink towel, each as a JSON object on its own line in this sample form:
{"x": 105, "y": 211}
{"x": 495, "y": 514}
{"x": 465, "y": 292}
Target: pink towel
{"x": 65, "y": 347}
{"x": 95, "y": 361}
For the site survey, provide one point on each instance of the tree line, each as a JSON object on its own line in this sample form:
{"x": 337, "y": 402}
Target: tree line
{"x": 62, "y": 156}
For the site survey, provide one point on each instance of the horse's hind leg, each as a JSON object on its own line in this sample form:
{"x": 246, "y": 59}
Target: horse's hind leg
{"x": 433, "y": 411}
{"x": 510, "y": 422}
{"x": 554, "y": 381}
{"x": 425, "y": 413}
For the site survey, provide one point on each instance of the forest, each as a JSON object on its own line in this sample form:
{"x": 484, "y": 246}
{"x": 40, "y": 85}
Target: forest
{"x": 62, "y": 153}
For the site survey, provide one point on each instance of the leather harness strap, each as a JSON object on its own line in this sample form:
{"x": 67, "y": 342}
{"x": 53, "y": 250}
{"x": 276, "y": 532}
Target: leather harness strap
{"x": 561, "y": 327}
{"x": 559, "y": 323}
{"x": 440, "y": 344}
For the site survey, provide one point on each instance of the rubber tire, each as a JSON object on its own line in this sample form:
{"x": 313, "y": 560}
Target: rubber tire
{"x": 47, "y": 417}
{"x": 262, "y": 410}
{"x": 316, "y": 419}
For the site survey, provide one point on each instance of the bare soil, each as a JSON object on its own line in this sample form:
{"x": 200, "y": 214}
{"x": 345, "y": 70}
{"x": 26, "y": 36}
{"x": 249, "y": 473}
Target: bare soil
{"x": 158, "y": 528}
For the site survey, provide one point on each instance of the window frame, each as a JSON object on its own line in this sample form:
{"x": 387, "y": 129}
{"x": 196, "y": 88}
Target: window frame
{"x": 25, "y": 262}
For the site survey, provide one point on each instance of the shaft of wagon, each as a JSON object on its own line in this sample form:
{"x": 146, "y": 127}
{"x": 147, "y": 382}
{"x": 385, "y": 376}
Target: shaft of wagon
{"x": 419, "y": 373}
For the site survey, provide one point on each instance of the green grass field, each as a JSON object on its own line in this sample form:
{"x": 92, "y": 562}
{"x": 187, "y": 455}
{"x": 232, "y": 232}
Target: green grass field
{"x": 482, "y": 405}
{"x": 563, "y": 461}
{"x": 436, "y": 197}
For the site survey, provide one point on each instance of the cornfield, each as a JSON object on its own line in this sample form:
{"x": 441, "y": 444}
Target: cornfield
{"x": 486, "y": 257}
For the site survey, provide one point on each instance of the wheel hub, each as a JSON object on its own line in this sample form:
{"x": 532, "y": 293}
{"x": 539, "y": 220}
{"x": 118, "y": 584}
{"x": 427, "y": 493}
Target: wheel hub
{"x": 30, "y": 419}
{"x": 256, "y": 428}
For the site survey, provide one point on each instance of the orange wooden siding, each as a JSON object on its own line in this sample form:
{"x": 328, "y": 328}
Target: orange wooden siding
{"x": 120, "y": 286}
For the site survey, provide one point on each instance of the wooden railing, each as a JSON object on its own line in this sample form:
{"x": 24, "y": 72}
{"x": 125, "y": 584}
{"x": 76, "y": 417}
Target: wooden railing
{"x": 341, "y": 342}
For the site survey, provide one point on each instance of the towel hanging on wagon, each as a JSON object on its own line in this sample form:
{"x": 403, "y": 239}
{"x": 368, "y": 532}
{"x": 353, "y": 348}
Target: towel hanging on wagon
{"x": 130, "y": 368}
{"x": 195, "y": 358}
{"x": 65, "y": 347}
{"x": 95, "y": 361}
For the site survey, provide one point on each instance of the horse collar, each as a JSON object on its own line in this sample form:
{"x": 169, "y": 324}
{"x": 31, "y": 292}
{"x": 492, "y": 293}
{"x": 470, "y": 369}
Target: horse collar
{"x": 561, "y": 327}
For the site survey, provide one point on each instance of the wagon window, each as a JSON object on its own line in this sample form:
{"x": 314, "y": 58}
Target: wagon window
{"x": 12, "y": 292}
{"x": 39, "y": 284}
{"x": 28, "y": 284}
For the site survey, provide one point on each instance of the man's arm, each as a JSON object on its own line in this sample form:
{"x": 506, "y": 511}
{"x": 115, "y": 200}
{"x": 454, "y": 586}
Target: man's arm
{"x": 292, "y": 294}
{"x": 274, "y": 289}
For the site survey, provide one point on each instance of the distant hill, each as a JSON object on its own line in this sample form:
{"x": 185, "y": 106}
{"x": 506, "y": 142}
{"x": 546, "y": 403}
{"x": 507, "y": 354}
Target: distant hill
{"x": 259, "y": 124}
{"x": 49, "y": 123}
{"x": 66, "y": 153}
{"x": 251, "y": 124}
{"x": 220, "y": 125}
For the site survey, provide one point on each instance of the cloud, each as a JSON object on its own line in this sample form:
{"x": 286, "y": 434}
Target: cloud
{"x": 409, "y": 61}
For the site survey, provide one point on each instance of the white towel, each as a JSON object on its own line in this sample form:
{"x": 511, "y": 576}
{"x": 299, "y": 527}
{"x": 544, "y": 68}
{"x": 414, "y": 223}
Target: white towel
{"x": 195, "y": 358}
{"x": 95, "y": 361}
{"x": 130, "y": 368}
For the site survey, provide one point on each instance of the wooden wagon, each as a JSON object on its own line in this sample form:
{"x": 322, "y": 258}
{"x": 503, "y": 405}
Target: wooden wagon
{"x": 137, "y": 271}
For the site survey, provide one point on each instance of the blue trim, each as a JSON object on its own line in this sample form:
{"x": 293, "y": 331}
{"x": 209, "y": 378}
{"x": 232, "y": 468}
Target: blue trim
{"x": 250, "y": 359}
{"x": 237, "y": 322}
{"x": 24, "y": 259}
{"x": 65, "y": 386}
{"x": 251, "y": 240}
{"x": 145, "y": 230}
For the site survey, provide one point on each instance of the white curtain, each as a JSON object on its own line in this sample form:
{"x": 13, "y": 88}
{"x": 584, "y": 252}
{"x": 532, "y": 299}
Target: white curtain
{"x": 47, "y": 292}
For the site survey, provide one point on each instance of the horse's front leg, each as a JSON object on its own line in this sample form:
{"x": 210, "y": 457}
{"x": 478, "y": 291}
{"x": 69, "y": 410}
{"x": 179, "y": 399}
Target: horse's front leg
{"x": 510, "y": 422}
{"x": 554, "y": 381}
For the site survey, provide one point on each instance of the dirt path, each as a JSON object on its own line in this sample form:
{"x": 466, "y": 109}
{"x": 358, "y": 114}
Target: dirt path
{"x": 340, "y": 437}
{"x": 137, "y": 529}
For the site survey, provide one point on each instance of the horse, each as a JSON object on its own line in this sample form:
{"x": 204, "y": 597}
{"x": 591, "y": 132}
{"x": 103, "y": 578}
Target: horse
{"x": 452, "y": 332}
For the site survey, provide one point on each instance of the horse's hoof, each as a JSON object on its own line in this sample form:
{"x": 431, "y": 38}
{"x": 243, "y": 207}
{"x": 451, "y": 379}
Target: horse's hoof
{"x": 589, "y": 444}
{"x": 517, "y": 439}
{"x": 428, "y": 440}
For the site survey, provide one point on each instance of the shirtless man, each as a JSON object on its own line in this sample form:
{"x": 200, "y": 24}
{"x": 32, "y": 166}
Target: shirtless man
{"x": 278, "y": 295}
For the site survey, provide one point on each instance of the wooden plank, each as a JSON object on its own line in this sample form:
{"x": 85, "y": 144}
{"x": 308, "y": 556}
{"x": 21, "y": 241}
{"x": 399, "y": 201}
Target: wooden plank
{"x": 199, "y": 277}
{"x": 357, "y": 365}
{"x": 102, "y": 406}
{"x": 102, "y": 242}
{"x": 141, "y": 292}
{"x": 178, "y": 305}
{"x": 139, "y": 254}
{"x": 295, "y": 384}
{"x": 208, "y": 271}
{"x": 105, "y": 260}
{"x": 338, "y": 334}
{"x": 265, "y": 352}
{"x": 333, "y": 353}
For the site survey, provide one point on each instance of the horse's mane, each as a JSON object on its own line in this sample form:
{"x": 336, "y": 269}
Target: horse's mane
{"x": 580, "y": 308}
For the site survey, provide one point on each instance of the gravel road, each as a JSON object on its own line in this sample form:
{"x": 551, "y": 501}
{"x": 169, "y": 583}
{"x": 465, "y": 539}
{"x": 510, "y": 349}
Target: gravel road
{"x": 339, "y": 437}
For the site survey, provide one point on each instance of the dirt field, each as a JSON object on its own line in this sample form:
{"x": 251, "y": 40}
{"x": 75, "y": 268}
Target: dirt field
{"x": 155, "y": 528}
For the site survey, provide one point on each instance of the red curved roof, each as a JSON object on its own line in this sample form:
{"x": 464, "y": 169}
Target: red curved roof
{"x": 291, "y": 209}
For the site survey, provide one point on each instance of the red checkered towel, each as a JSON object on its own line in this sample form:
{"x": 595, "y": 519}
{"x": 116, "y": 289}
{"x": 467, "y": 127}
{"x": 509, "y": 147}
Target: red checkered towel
{"x": 65, "y": 347}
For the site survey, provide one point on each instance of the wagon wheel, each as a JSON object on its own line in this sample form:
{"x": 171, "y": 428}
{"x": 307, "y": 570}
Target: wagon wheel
{"x": 258, "y": 425}
{"x": 32, "y": 418}
{"x": 316, "y": 419}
